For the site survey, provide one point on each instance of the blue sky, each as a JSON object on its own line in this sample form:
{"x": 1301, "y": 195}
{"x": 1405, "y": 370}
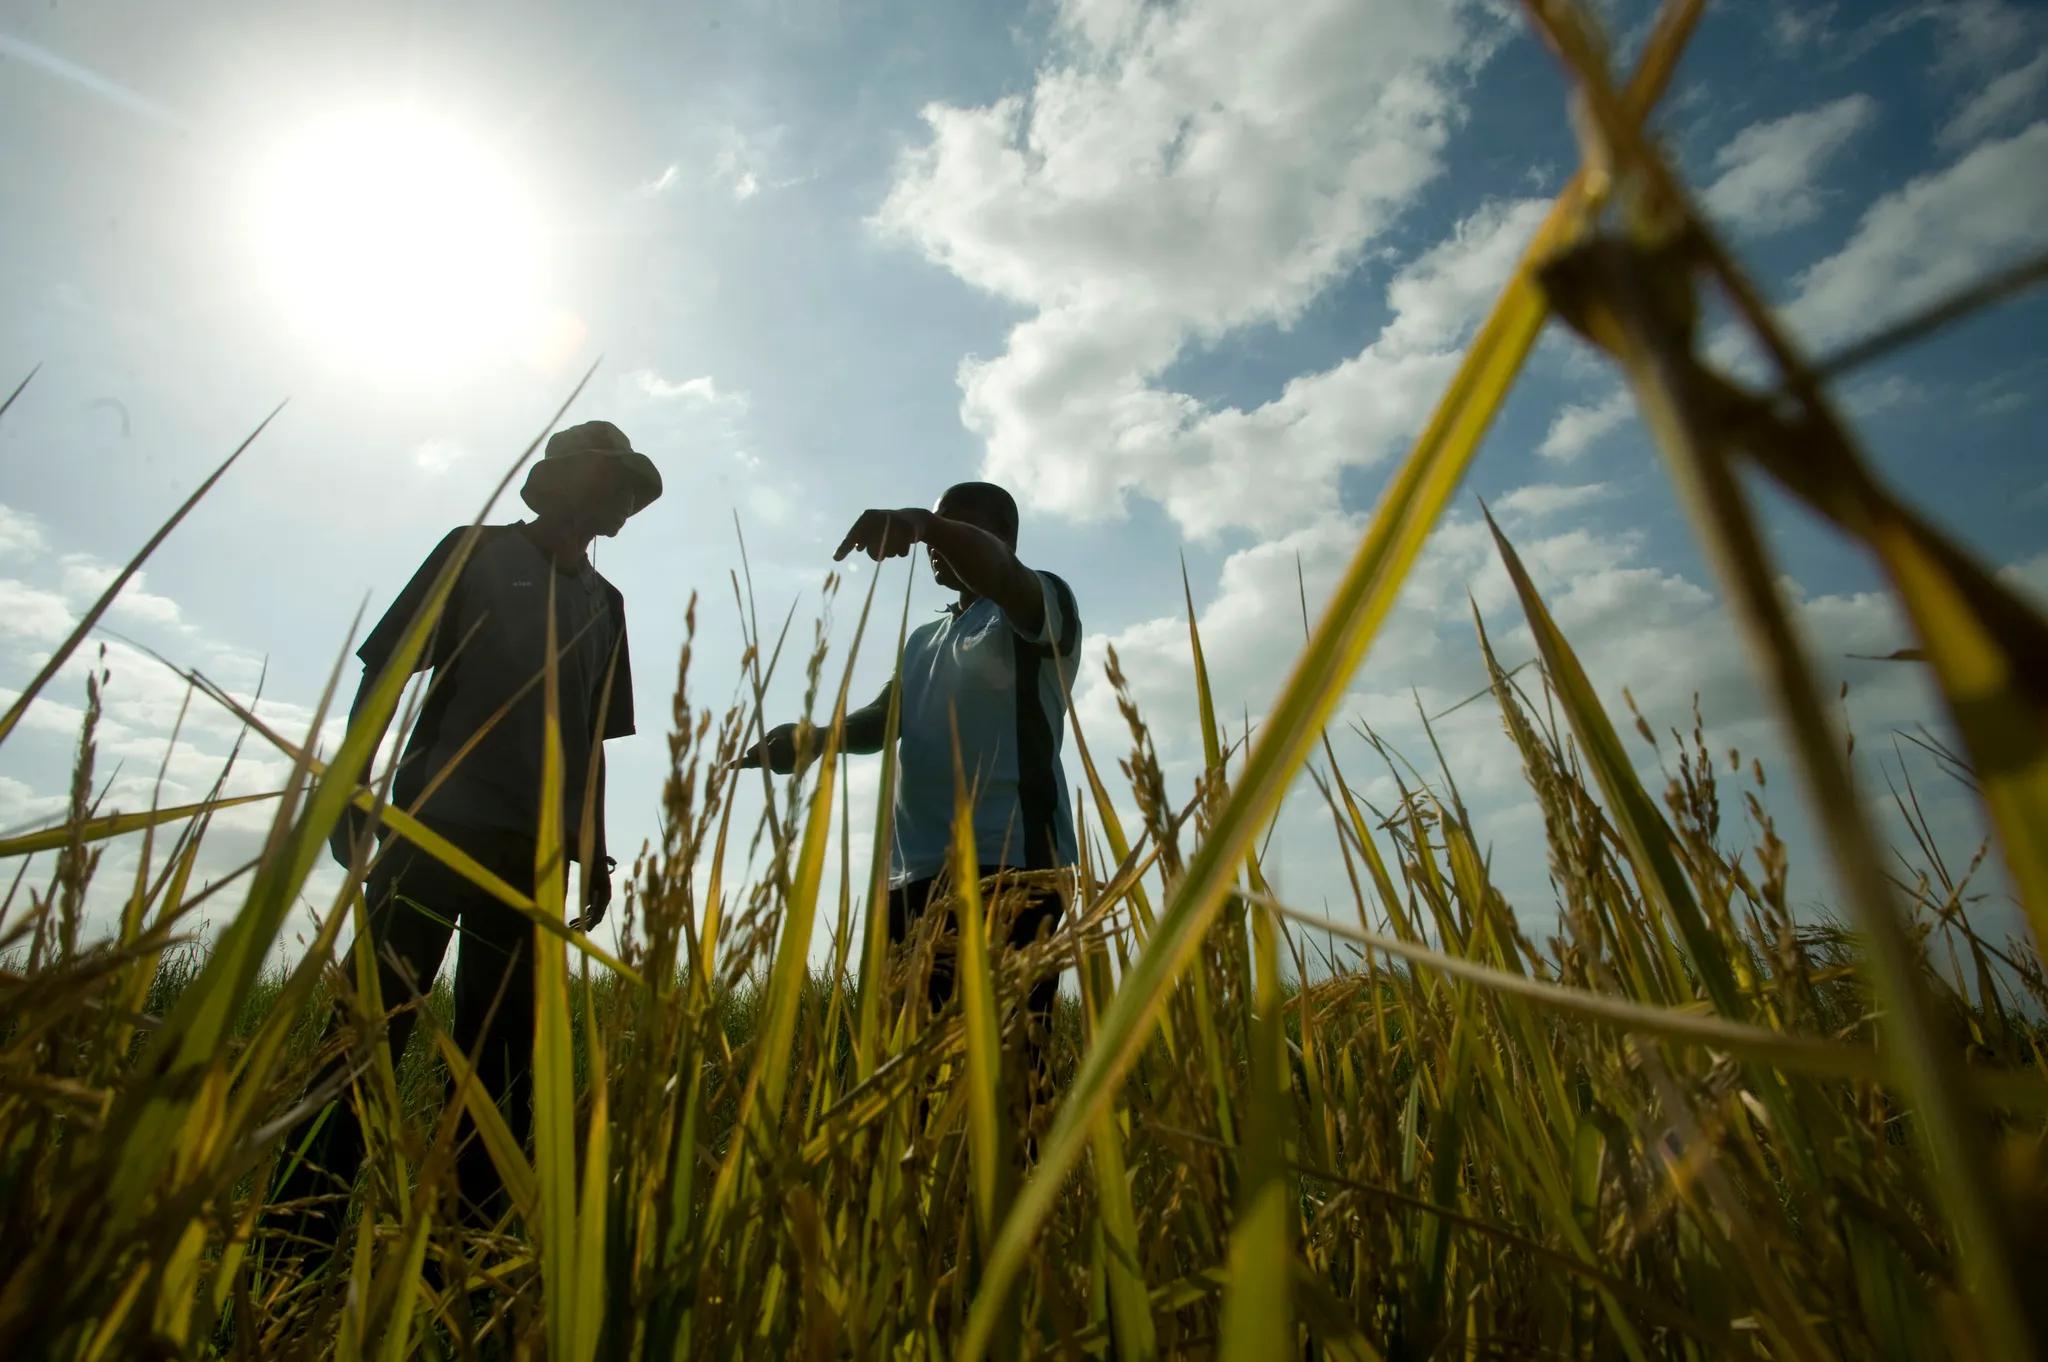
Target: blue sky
{"x": 1187, "y": 278}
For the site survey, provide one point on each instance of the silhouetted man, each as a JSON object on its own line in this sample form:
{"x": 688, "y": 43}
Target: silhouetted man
{"x": 997, "y": 667}
{"x": 487, "y": 695}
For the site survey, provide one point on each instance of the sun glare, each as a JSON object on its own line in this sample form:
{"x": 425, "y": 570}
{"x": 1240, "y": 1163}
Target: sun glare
{"x": 397, "y": 238}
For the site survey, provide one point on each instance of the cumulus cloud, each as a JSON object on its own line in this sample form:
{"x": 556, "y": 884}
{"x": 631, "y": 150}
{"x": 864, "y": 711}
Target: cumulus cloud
{"x": 1938, "y": 232}
{"x": 1549, "y": 498}
{"x": 1579, "y": 425}
{"x": 1660, "y": 633}
{"x": 21, "y": 534}
{"x": 141, "y": 703}
{"x": 86, "y": 577}
{"x": 31, "y": 613}
{"x": 1769, "y": 173}
{"x": 1184, "y": 171}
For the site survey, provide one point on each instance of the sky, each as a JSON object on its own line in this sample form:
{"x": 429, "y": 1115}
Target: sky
{"x": 1186, "y": 277}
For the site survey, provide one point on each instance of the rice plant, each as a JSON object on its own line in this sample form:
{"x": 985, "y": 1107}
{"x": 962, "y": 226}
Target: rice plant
{"x": 1683, "y": 1122}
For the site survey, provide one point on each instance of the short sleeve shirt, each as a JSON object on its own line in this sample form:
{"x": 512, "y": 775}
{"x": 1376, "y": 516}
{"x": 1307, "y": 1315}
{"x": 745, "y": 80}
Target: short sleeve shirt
{"x": 488, "y": 652}
{"x": 1005, "y": 692}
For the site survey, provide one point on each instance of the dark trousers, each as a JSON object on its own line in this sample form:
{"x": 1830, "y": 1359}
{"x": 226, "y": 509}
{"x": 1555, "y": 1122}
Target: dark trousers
{"x": 1038, "y": 916}
{"x": 415, "y": 905}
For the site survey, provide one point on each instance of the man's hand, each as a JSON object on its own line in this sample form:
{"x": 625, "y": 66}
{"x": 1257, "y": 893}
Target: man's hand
{"x": 776, "y": 751}
{"x": 597, "y": 896}
{"x": 886, "y": 534}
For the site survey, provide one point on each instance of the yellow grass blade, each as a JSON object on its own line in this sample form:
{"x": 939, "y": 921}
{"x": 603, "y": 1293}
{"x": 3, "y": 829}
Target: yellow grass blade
{"x": 467, "y": 866}
{"x": 2015, "y": 1091}
{"x": 1130, "y": 1312}
{"x": 1257, "y": 1312}
{"x": 62, "y": 653}
{"x": 120, "y": 824}
{"x": 1642, "y": 828}
{"x": 1639, "y": 305}
{"x": 554, "y": 1090}
{"x": 506, "y": 1156}
{"x": 1410, "y": 506}
{"x": 874, "y": 956}
{"x": 419, "y": 834}
{"x": 988, "y": 1156}
{"x": 590, "y": 1280}
{"x": 1205, "y": 702}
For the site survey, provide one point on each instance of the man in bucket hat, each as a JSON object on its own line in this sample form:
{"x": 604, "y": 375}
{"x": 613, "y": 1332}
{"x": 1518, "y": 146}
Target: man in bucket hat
{"x": 472, "y": 773}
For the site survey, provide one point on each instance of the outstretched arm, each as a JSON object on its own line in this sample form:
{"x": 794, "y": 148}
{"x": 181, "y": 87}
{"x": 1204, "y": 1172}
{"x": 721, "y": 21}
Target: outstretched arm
{"x": 984, "y": 564}
{"x": 866, "y": 727}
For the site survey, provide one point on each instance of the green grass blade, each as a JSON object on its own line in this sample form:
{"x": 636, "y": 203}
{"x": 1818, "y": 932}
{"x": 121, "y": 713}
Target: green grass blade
{"x": 988, "y": 1157}
{"x": 62, "y": 653}
{"x": 1257, "y": 1312}
{"x": 506, "y": 1156}
{"x": 874, "y": 957}
{"x": 1130, "y": 1310}
{"x": 120, "y": 824}
{"x": 1410, "y": 507}
{"x": 2016, "y": 1090}
{"x": 554, "y": 1091}
{"x": 590, "y": 1283}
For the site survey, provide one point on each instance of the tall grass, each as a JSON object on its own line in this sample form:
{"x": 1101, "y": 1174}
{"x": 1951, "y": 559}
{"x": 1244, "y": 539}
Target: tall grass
{"x": 1682, "y": 1122}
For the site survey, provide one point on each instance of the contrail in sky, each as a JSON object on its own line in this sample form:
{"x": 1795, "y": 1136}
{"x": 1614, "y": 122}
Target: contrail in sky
{"x": 114, "y": 93}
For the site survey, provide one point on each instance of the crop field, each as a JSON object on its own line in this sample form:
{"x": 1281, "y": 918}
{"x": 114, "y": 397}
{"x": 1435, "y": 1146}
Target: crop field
{"x": 1660, "y": 1117}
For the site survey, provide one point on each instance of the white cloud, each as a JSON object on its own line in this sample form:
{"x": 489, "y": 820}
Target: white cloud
{"x": 437, "y": 456}
{"x": 1770, "y": 172}
{"x": 2031, "y": 576}
{"x": 1999, "y": 103}
{"x": 1182, "y": 172}
{"x": 1796, "y": 25}
{"x": 31, "y": 613}
{"x": 22, "y": 807}
{"x": 86, "y": 577}
{"x": 21, "y": 534}
{"x": 1876, "y": 396}
{"x": 1977, "y": 35}
{"x": 701, "y": 391}
{"x": 141, "y": 702}
{"x": 1549, "y": 498}
{"x": 734, "y": 162}
{"x": 1937, "y": 233}
{"x": 1657, "y": 632}
{"x": 1575, "y": 428}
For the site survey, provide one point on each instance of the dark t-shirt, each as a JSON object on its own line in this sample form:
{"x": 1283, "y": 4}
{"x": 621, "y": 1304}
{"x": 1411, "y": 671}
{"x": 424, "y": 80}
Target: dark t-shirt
{"x": 489, "y": 647}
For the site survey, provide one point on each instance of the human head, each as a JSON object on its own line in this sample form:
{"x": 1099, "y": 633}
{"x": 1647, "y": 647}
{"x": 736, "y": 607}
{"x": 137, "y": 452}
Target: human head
{"x": 982, "y": 505}
{"x": 592, "y": 478}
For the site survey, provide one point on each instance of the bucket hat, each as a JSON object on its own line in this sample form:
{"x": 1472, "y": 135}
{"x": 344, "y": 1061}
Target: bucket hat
{"x": 572, "y": 455}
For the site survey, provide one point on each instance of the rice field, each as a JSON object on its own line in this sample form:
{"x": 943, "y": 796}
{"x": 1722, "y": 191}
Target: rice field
{"x": 1661, "y": 1117}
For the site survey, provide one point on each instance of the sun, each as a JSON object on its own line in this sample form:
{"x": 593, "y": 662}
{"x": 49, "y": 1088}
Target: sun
{"x": 396, "y": 238}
